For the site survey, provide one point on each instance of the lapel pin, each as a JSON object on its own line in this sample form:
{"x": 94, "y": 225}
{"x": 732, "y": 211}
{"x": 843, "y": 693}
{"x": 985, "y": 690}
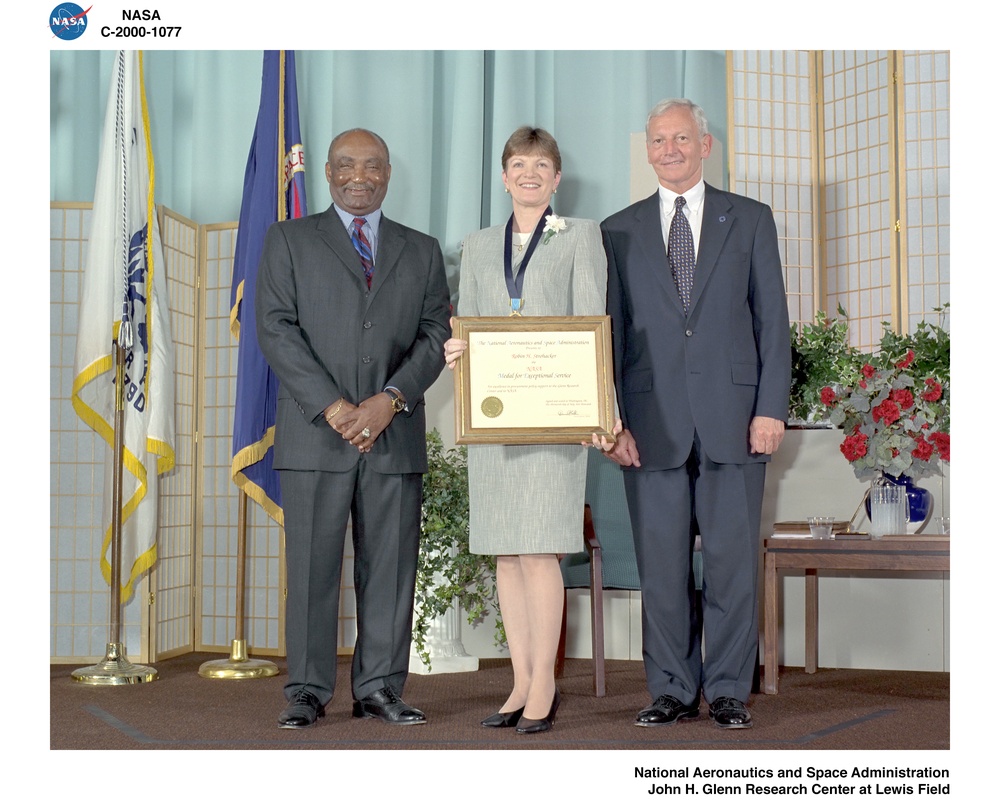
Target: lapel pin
{"x": 722, "y": 218}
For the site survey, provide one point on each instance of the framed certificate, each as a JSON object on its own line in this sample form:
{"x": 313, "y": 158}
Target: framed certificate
{"x": 533, "y": 380}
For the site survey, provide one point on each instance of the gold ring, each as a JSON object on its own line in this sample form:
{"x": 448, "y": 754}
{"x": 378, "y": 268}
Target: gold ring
{"x": 366, "y": 433}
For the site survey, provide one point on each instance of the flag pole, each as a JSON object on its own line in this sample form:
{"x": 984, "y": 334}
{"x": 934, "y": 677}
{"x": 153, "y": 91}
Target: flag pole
{"x": 115, "y": 669}
{"x": 238, "y": 666}
{"x": 268, "y": 182}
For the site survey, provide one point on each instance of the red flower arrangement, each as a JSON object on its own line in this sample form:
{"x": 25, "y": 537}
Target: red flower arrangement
{"x": 890, "y": 425}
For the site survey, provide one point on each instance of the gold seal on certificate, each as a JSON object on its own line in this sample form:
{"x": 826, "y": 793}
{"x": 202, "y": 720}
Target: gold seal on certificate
{"x": 492, "y": 407}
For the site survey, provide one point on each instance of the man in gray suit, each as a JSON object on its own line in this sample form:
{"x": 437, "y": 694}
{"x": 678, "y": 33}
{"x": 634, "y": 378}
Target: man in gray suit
{"x": 352, "y": 313}
{"x": 702, "y": 371}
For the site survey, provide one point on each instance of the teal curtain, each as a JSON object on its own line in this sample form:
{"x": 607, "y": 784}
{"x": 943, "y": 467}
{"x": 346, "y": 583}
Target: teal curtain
{"x": 444, "y": 114}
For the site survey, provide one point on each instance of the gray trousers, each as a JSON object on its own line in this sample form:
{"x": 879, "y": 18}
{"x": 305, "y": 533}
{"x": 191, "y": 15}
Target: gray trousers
{"x": 385, "y": 515}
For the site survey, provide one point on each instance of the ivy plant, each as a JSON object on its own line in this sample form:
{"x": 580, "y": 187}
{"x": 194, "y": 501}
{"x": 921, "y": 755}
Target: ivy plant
{"x": 821, "y": 356}
{"x": 446, "y": 570}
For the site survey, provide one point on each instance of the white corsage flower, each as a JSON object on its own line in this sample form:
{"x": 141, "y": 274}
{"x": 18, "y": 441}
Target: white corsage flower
{"x": 553, "y": 225}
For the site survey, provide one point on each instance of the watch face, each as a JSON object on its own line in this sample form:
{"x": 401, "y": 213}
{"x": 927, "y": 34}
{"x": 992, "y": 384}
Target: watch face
{"x": 397, "y": 402}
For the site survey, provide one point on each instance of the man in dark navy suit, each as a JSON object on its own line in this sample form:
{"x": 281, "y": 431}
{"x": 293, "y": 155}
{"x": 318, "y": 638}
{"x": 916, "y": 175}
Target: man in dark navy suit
{"x": 702, "y": 371}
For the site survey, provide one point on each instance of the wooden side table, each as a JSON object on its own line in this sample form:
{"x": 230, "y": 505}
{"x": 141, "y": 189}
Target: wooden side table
{"x": 918, "y": 552}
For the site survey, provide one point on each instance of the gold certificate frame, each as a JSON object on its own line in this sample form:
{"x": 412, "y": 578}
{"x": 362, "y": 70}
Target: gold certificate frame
{"x": 533, "y": 380}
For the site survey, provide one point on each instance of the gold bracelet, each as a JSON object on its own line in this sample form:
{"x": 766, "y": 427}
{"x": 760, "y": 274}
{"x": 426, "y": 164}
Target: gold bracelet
{"x": 335, "y": 411}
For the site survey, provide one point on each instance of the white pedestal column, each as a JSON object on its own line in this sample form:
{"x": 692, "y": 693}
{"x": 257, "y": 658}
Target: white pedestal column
{"x": 444, "y": 643}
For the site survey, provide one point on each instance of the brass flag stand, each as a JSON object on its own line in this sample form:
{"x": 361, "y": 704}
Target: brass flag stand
{"x": 115, "y": 669}
{"x": 238, "y": 665}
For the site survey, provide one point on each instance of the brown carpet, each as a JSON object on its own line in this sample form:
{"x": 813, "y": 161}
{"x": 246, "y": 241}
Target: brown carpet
{"x": 830, "y": 710}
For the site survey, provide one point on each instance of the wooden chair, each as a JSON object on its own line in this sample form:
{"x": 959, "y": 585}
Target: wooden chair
{"x": 596, "y": 580}
{"x": 608, "y": 558}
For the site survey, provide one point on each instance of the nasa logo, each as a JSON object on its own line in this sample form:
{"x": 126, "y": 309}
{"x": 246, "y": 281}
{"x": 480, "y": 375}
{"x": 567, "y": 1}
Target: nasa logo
{"x": 68, "y": 21}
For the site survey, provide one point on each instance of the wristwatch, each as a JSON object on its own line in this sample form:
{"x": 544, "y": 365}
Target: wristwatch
{"x": 398, "y": 403}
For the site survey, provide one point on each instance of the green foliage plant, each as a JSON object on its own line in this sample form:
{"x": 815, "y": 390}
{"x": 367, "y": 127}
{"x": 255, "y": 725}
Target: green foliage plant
{"x": 821, "y": 356}
{"x": 446, "y": 570}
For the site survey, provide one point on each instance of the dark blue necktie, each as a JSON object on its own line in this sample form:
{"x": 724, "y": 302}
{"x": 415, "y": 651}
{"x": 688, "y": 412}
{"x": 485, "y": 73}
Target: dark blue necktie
{"x": 364, "y": 248}
{"x": 680, "y": 253}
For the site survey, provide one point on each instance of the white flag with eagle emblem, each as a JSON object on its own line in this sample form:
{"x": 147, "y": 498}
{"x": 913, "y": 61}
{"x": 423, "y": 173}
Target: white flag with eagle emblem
{"x": 124, "y": 299}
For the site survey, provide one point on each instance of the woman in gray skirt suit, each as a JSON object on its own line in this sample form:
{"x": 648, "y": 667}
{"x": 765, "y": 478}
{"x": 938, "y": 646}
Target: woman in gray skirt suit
{"x": 526, "y": 501}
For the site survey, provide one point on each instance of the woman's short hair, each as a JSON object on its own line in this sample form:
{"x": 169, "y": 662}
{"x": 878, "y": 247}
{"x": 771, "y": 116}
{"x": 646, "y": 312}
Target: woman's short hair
{"x": 528, "y": 141}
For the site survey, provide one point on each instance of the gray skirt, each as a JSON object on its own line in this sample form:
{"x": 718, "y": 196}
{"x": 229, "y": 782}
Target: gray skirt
{"x": 526, "y": 498}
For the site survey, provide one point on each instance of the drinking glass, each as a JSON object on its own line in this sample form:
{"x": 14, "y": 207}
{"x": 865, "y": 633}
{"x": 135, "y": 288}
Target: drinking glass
{"x": 821, "y": 527}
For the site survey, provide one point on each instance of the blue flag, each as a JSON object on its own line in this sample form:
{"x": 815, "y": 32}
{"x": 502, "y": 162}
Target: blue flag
{"x": 273, "y": 189}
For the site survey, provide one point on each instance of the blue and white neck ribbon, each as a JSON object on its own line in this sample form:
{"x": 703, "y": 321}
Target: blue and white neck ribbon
{"x": 515, "y": 285}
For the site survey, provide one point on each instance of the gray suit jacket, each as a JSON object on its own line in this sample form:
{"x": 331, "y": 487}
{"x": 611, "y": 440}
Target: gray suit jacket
{"x": 725, "y": 362}
{"x": 326, "y": 335}
{"x": 567, "y": 276}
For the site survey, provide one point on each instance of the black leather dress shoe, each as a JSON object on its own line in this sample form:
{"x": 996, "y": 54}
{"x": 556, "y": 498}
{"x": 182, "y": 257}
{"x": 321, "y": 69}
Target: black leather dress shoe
{"x": 728, "y": 712}
{"x": 503, "y": 719}
{"x": 302, "y": 710}
{"x": 665, "y": 710}
{"x": 389, "y": 707}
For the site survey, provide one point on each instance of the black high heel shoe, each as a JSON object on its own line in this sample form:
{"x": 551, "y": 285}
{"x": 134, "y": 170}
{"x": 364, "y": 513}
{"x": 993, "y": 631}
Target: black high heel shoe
{"x": 503, "y": 719}
{"x": 527, "y": 725}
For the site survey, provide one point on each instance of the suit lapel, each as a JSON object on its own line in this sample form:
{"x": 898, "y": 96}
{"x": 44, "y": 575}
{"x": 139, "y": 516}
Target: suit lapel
{"x": 717, "y": 220}
{"x": 390, "y": 246}
{"x": 334, "y": 234}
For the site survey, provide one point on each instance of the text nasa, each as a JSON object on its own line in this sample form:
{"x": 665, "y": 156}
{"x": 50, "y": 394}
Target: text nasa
{"x": 137, "y": 15}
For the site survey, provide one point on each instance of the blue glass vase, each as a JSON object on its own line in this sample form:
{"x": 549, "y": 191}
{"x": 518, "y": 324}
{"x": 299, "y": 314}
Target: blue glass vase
{"x": 921, "y": 502}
